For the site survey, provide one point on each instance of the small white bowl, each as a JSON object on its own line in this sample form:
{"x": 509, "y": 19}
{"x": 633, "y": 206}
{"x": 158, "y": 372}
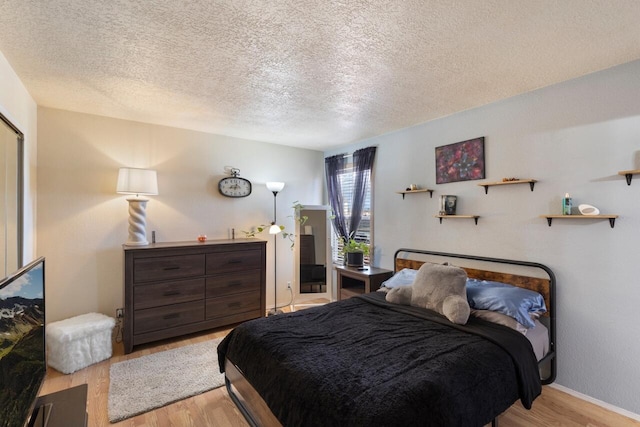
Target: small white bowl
{"x": 588, "y": 210}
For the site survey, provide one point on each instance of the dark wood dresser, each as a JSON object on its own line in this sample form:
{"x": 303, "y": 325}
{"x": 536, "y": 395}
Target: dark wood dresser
{"x": 177, "y": 288}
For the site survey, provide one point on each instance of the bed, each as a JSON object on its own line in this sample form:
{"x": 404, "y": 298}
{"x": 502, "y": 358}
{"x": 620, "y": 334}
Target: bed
{"x": 364, "y": 361}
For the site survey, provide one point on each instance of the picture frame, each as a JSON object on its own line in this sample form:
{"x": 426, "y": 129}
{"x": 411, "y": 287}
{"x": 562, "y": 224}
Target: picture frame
{"x": 461, "y": 161}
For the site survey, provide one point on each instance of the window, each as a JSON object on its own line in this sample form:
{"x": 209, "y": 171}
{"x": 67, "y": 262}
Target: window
{"x": 345, "y": 183}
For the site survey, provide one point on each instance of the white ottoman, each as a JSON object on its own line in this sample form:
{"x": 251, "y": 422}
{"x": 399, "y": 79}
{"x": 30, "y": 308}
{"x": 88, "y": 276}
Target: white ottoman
{"x": 79, "y": 341}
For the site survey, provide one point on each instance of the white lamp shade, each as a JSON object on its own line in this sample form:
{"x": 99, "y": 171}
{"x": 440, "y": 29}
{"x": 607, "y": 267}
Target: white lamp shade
{"x": 274, "y": 229}
{"x": 275, "y": 186}
{"x": 137, "y": 181}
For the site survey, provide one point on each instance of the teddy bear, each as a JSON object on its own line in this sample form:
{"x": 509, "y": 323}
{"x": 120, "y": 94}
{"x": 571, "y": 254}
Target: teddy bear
{"x": 438, "y": 287}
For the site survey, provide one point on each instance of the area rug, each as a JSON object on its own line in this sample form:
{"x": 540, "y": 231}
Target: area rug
{"x": 149, "y": 382}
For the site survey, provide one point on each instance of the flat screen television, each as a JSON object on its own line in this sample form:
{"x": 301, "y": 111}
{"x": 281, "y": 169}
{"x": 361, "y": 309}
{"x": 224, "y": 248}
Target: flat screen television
{"x": 22, "y": 343}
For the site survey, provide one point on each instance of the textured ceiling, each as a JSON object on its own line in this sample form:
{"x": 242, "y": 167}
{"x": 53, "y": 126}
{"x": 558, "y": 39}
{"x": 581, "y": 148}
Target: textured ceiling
{"x": 308, "y": 73}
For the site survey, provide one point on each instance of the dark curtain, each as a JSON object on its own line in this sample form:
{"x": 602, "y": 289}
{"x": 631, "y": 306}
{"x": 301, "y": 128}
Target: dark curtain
{"x": 334, "y": 166}
{"x": 362, "y": 165}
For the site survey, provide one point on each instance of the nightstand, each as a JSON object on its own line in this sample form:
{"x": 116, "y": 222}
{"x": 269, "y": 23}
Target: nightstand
{"x": 359, "y": 280}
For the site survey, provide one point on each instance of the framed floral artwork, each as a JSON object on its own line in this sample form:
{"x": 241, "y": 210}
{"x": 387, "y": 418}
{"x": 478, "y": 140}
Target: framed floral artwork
{"x": 462, "y": 161}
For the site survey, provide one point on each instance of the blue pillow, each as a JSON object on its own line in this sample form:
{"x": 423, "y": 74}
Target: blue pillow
{"x": 403, "y": 277}
{"x": 506, "y": 299}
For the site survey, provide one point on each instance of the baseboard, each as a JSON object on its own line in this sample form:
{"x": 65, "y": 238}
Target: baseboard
{"x": 590, "y": 399}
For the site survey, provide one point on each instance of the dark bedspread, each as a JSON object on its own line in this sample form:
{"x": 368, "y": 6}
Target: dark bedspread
{"x": 365, "y": 362}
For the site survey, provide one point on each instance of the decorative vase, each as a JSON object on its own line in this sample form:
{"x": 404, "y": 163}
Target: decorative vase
{"x": 355, "y": 259}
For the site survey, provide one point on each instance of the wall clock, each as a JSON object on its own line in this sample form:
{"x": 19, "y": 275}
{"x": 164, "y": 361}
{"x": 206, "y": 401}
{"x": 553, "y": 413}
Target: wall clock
{"x": 234, "y": 185}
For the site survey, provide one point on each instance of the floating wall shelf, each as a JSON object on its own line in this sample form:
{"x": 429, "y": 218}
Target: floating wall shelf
{"x": 629, "y": 174}
{"x": 422, "y": 190}
{"x": 475, "y": 217}
{"x": 611, "y": 218}
{"x": 486, "y": 185}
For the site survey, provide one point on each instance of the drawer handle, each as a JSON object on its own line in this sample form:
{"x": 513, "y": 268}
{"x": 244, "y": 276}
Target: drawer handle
{"x": 235, "y": 305}
{"x": 171, "y": 316}
{"x": 172, "y": 267}
{"x": 171, "y": 293}
{"x": 235, "y": 261}
{"x": 232, "y": 284}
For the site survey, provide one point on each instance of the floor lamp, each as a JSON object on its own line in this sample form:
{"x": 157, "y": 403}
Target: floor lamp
{"x": 275, "y": 188}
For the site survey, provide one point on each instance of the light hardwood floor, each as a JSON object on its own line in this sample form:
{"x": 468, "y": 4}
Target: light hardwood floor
{"x": 215, "y": 408}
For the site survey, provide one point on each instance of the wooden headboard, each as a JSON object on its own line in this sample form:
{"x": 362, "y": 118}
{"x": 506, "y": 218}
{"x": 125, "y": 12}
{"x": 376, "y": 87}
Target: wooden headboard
{"x": 540, "y": 285}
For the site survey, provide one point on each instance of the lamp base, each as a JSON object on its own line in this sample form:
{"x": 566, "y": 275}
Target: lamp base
{"x": 274, "y": 311}
{"x": 136, "y": 243}
{"x": 137, "y": 222}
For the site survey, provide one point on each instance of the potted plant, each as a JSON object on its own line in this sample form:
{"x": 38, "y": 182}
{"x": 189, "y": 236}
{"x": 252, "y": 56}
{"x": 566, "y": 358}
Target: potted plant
{"x": 354, "y": 252}
{"x": 292, "y": 238}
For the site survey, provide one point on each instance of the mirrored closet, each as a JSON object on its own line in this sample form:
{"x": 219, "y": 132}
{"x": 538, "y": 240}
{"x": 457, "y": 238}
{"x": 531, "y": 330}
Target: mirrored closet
{"x": 11, "y": 146}
{"x": 313, "y": 255}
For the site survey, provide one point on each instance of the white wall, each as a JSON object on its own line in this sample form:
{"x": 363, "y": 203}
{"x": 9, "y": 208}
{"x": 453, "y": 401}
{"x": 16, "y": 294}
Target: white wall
{"x": 17, "y": 105}
{"x": 82, "y": 222}
{"x": 573, "y": 137}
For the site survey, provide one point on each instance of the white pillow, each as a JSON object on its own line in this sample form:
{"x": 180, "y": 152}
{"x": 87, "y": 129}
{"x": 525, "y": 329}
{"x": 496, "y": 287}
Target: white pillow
{"x": 404, "y": 277}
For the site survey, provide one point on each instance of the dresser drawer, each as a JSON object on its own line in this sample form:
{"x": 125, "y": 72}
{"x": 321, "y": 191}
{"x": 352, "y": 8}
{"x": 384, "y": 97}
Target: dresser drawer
{"x": 233, "y": 283}
{"x": 168, "y": 316}
{"x": 229, "y": 305}
{"x": 168, "y": 267}
{"x": 164, "y": 293}
{"x": 223, "y": 262}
